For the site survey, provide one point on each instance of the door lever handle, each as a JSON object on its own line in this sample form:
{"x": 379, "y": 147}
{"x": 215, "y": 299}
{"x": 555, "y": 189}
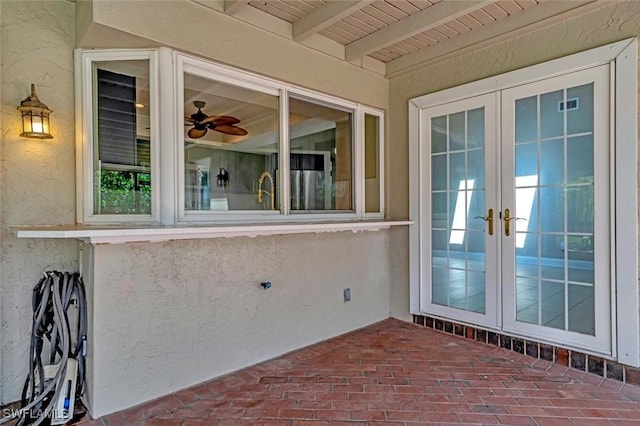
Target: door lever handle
{"x": 507, "y": 220}
{"x": 489, "y": 220}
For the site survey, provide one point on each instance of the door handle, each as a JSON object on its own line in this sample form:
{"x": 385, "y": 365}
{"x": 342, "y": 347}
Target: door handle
{"x": 489, "y": 220}
{"x": 507, "y": 220}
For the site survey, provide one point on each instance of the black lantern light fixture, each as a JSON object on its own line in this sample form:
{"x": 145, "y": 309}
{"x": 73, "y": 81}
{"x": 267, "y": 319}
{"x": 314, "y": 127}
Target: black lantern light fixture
{"x": 35, "y": 117}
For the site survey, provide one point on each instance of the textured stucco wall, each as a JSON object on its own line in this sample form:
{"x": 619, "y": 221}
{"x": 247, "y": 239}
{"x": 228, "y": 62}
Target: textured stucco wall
{"x": 192, "y": 306}
{"x": 615, "y": 21}
{"x": 198, "y": 303}
{"x": 216, "y": 35}
{"x": 36, "y": 177}
{"x": 169, "y": 315}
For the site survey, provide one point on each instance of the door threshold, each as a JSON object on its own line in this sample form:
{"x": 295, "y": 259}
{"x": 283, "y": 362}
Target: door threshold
{"x": 571, "y": 358}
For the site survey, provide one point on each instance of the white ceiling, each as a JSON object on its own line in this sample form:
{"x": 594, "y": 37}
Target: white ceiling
{"x": 393, "y": 36}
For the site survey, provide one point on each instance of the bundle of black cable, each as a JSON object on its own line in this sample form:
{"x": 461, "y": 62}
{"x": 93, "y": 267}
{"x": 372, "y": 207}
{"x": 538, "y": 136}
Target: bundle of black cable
{"x": 58, "y": 333}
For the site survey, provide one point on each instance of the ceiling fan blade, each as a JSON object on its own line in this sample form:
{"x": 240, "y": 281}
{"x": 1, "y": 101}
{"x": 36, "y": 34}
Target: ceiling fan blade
{"x": 189, "y": 119}
{"x": 224, "y": 119}
{"x": 230, "y": 130}
{"x": 196, "y": 133}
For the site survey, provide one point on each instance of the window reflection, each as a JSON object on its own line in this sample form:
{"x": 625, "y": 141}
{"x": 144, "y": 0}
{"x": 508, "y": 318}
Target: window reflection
{"x": 231, "y": 139}
{"x": 321, "y": 145}
{"x": 371, "y": 163}
{"x": 122, "y": 148}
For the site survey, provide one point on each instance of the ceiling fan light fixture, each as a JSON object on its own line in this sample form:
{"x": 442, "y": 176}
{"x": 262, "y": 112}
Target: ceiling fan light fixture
{"x": 202, "y": 122}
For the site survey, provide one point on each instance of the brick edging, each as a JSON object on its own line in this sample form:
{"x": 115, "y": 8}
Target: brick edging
{"x": 566, "y": 357}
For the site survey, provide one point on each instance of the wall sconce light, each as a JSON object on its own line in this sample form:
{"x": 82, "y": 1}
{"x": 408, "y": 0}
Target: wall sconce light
{"x": 35, "y": 117}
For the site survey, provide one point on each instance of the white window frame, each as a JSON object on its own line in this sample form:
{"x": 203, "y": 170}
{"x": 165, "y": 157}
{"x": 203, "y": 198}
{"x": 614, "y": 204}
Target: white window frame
{"x": 86, "y": 133}
{"x": 380, "y": 114}
{"x": 357, "y": 140}
{"x": 166, "y": 79}
{"x": 623, "y": 58}
{"x": 205, "y": 69}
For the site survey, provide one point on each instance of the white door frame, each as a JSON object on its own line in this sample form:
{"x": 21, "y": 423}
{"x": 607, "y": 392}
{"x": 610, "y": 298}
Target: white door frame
{"x": 623, "y": 56}
{"x": 601, "y": 342}
{"x": 491, "y": 317}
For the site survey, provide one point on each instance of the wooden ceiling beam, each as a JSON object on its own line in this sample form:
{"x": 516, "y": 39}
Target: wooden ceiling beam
{"x": 417, "y": 23}
{"x": 530, "y": 19}
{"x": 325, "y": 16}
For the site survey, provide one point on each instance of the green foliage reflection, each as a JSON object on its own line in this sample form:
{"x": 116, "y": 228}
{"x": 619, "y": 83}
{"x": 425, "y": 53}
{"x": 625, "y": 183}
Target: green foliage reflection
{"x": 125, "y": 192}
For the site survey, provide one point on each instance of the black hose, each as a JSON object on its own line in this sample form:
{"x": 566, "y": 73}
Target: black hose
{"x": 52, "y": 297}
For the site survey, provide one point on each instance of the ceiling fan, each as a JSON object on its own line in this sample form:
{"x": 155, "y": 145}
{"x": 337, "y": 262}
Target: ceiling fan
{"x": 201, "y": 122}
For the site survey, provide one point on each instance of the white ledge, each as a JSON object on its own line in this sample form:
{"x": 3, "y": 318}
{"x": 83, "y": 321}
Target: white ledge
{"x": 133, "y": 233}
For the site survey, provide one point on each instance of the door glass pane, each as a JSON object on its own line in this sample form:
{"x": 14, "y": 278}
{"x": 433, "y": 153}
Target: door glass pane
{"x": 527, "y": 300}
{"x": 552, "y": 264}
{"x": 439, "y": 217}
{"x": 457, "y": 171}
{"x": 457, "y": 223}
{"x": 527, "y": 159}
{"x": 439, "y": 134}
{"x": 457, "y": 196}
{"x": 439, "y": 285}
{"x": 527, "y": 119}
{"x": 477, "y": 209}
{"x": 552, "y": 206}
{"x": 555, "y": 209}
{"x": 580, "y": 203}
{"x": 457, "y": 131}
{"x": 230, "y": 146}
{"x": 475, "y": 167}
{"x": 527, "y": 253}
{"x": 476, "y": 291}
{"x": 580, "y": 159}
{"x": 527, "y": 204}
{"x": 581, "y": 259}
{"x": 439, "y": 172}
{"x": 476, "y": 250}
{"x": 552, "y": 162}
{"x": 581, "y": 305}
{"x": 552, "y": 308}
{"x": 580, "y": 109}
{"x": 439, "y": 255}
{"x": 551, "y": 117}
{"x": 475, "y": 128}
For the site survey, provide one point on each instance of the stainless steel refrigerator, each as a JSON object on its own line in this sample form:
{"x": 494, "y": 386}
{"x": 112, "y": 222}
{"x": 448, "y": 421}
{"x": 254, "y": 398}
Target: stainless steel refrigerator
{"x": 307, "y": 190}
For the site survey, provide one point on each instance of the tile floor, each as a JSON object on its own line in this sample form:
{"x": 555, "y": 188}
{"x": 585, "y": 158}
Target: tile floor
{"x": 540, "y": 290}
{"x": 395, "y": 373}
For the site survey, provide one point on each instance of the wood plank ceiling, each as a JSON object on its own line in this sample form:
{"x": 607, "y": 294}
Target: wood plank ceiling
{"x": 395, "y": 35}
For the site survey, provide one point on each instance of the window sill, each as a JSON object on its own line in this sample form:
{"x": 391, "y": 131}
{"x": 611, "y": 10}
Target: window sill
{"x": 130, "y": 234}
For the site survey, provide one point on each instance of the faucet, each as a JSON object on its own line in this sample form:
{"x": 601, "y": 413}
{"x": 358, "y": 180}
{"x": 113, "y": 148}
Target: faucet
{"x": 271, "y": 191}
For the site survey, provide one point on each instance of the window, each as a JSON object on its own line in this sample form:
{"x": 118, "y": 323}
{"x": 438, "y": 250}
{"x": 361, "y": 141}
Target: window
{"x": 321, "y": 156}
{"x": 234, "y": 146}
{"x": 119, "y": 150}
{"x": 231, "y": 142}
{"x": 373, "y": 188}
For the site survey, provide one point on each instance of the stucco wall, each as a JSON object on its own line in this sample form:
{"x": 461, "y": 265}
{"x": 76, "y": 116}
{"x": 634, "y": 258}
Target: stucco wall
{"x": 615, "y": 21}
{"x": 168, "y": 315}
{"x": 36, "y": 177}
{"x": 192, "y": 308}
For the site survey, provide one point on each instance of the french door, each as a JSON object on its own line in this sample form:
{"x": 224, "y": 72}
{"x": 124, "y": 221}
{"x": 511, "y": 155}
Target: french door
{"x": 517, "y": 210}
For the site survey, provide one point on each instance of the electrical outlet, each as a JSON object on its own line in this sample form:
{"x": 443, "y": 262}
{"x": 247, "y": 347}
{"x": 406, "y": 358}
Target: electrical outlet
{"x": 347, "y": 295}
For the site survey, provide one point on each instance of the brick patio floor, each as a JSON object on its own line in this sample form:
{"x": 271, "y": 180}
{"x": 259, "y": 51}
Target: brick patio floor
{"x": 395, "y": 373}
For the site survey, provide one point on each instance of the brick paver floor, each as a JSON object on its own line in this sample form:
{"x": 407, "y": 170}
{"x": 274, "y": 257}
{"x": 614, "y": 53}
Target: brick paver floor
{"x": 395, "y": 373}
